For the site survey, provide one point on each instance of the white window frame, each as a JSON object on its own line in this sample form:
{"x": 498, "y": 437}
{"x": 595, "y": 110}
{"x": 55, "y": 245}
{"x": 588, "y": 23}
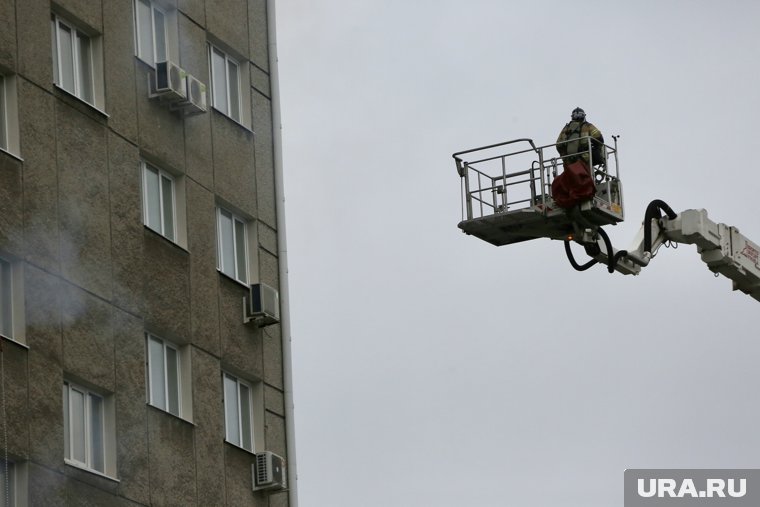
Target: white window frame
{"x": 76, "y": 59}
{"x": 95, "y": 59}
{"x": 18, "y": 481}
{"x": 9, "y": 468}
{"x": 151, "y": 57}
{"x": 90, "y": 447}
{"x": 3, "y": 115}
{"x": 12, "y": 287}
{"x": 9, "y": 131}
{"x": 108, "y": 434}
{"x": 178, "y": 209}
{"x": 162, "y": 205}
{"x": 6, "y": 299}
{"x": 184, "y": 379}
{"x": 234, "y": 272}
{"x": 165, "y": 345}
{"x": 226, "y": 108}
{"x": 238, "y": 440}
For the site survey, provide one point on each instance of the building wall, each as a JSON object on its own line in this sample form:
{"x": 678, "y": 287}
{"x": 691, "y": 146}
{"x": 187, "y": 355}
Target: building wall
{"x": 95, "y": 279}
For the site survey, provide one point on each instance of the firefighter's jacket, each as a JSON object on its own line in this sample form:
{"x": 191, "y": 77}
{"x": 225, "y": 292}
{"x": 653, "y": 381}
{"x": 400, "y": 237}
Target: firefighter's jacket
{"x": 571, "y": 144}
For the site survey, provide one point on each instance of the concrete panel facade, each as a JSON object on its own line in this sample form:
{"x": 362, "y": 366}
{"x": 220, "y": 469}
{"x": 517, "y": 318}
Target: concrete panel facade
{"x": 193, "y": 9}
{"x": 8, "y": 34}
{"x": 86, "y": 326}
{"x": 259, "y": 33}
{"x": 171, "y": 460}
{"x": 204, "y": 278}
{"x": 131, "y": 410}
{"x": 262, "y": 123}
{"x": 234, "y": 35}
{"x": 127, "y": 242}
{"x": 87, "y": 14}
{"x": 260, "y": 81}
{"x": 45, "y": 356}
{"x": 209, "y": 420}
{"x": 11, "y": 205}
{"x": 83, "y": 201}
{"x": 35, "y": 57}
{"x": 15, "y": 427}
{"x": 233, "y": 148}
{"x": 166, "y": 287}
{"x": 160, "y": 133}
{"x": 40, "y": 174}
{"x": 241, "y": 345}
{"x": 119, "y": 62}
{"x": 96, "y": 279}
{"x": 193, "y": 51}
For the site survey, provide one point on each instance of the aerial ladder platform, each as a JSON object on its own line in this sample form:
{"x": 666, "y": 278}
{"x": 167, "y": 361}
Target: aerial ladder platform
{"x": 507, "y": 198}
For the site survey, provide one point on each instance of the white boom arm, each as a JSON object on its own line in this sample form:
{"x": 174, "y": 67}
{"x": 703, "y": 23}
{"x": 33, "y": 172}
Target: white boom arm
{"x": 721, "y": 247}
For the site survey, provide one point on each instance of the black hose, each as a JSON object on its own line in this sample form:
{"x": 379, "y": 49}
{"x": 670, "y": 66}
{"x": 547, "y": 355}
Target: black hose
{"x": 592, "y": 250}
{"x": 612, "y": 260}
{"x": 575, "y": 265}
{"x": 653, "y": 211}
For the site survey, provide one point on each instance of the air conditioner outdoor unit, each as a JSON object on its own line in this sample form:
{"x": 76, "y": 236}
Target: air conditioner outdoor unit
{"x": 269, "y": 472}
{"x": 262, "y": 305}
{"x": 195, "y": 103}
{"x": 169, "y": 82}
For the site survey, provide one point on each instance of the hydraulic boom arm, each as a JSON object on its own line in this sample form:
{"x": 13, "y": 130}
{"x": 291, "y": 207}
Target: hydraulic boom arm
{"x": 722, "y": 247}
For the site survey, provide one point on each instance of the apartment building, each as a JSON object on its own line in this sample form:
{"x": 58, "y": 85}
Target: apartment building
{"x": 142, "y": 256}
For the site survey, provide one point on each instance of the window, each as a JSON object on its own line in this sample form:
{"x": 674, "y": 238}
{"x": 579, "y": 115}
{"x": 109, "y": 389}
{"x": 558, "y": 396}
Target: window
{"x": 11, "y": 300}
{"x": 9, "y": 136}
{"x": 159, "y": 201}
{"x": 151, "y": 32}
{"x": 6, "y": 299}
{"x": 83, "y": 427}
{"x": 225, "y": 83}
{"x": 7, "y": 484}
{"x": 72, "y": 60}
{"x": 77, "y": 62}
{"x": 88, "y": 428}
{"x": 238, "y": 412}
{"x": 3, "y": 116}
{"x": 232, "y": 245}
{"x": 14, "y": 480}
{"x": 162, "y": 211}
{"x": 164, "y": 375}
{"x": 169, "y": 379}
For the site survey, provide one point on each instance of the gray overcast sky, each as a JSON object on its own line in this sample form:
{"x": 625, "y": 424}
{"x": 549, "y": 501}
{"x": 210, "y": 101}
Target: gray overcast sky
{"x": 434, "y": 369}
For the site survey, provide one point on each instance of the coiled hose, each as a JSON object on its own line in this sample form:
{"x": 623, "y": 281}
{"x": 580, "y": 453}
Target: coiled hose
{"x": 653, "y": 211}
{"x": 574, "y": 264}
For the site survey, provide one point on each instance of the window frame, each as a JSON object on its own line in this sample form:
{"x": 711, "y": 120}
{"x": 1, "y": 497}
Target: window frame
{"x": 149, "y": 362}
{"x": 3, "y": 115}
{"x": 9, "y": 131}
{"x": 76, "y": 57}
{"x": 139, "y": 50}
{"x": 9, "y": 467}
{"x": 228, "y": 60}
{"x": 12, "y": 285}
{"x": 6, "y": 291}
{"x": 234, "y": 217}
{"x": 238, "y": 407}
{"x": 89, "y": 444}
{"x": 145, "y": 168}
